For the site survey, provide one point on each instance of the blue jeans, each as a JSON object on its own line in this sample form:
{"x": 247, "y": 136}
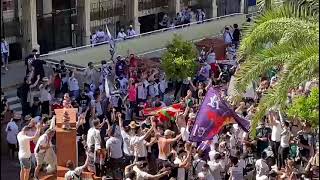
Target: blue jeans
{"x": 5, "y": 57}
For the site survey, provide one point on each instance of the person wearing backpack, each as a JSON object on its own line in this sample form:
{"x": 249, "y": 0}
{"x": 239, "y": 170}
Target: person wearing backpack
{"x": 75, "y": 173}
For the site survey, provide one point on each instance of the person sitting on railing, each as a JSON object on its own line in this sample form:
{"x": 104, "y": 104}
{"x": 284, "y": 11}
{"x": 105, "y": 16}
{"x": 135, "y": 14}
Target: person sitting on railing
{"x": 122, "y": 34}
{"x": 200, "y": 16}
{"x": 131, "y": 32}
{"x": 164, "y": 22}
{"x": 93, "y": 38}
{"x": 187, "y": 16}
{"x": 178, "y": 19}
{"x": 100, "y": 36}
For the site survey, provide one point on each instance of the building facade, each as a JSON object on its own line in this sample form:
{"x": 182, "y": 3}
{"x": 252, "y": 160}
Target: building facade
{"x": 49, "y": 25}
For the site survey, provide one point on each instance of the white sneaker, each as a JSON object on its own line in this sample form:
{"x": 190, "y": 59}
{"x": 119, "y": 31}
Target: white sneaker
{"x": 6, "y": 69}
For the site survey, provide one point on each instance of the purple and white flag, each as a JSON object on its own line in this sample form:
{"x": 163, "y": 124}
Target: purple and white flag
{"x": 213, "y": 115}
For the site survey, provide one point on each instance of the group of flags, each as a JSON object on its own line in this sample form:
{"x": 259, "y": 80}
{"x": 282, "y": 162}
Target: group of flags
{"x": 214, "y": 114}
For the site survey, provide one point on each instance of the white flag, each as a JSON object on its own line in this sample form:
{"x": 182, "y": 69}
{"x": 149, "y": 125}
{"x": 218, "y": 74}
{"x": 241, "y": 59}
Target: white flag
{"x": 106, "y": 87}
{"x": 110, "y": 38}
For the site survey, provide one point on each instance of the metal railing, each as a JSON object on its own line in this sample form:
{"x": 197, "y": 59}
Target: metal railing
{"x": 66, "y": 51}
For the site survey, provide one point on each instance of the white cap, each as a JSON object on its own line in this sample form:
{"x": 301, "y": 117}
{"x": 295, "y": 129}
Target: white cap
{"x": 168, "y": 132}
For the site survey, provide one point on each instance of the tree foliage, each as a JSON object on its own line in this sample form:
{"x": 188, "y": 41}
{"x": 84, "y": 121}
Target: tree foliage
{"x": 292, "y": 30}
{"x": 179, "y": 61}
{"x": 306, "y": 108}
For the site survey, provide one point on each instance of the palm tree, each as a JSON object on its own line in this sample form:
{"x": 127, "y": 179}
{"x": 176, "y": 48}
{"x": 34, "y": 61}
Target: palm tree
{"x": 292, "y": 31}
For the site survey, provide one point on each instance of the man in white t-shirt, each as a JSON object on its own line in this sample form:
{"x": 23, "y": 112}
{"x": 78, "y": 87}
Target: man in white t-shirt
{"x": 12, "y": 131}
{"x": 276, "y": 132}
{"x": 24, "y": 150}
{"x": 114, "y": 150}
{"x": 215, "y": 167}
{"x": 284, "y": 148}
{"x": 211, "y": 58}
{"x": 75, "y": 173}
{"x": 43, "y": 143}
{"x": 127, "y": 148}
{"x": 137, "y": 141}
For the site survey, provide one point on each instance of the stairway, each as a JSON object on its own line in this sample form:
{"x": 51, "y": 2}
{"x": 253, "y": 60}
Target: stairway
{"x": 13, "y": 100}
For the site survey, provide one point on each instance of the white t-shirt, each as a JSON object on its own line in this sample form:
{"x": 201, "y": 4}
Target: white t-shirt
{"x": 94, "y": 138}
{"x": 114, "y": 145}
{"x": 276, "y": 131}
{"x": 74, "y": 174}
{"x": 44, "y": 95}
{"x": 73, "y": 84}
{"x": 131, "y": 32}
{"x": 43, "y": 140}
{"x": 227, "y": 37}
{"x": 285, "y": 138}
{"x": 142, "y": 92}
{"x": 236, "y": 172}
{"x": 24, "y": 145}
{"x": 123, "y": 84}
{"x": 262, "y": 168}
{"x": 127, "y": 149}
{"x": 163, "y": 85}
{"x": 215, "y": 169}
{"x": 139, "y": 147}
{"x": 12, "y": 132}
{"x": 122, "y": 35}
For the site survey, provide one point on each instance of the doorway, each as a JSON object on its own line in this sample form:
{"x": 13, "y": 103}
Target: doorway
{"x": 147, "y": 23}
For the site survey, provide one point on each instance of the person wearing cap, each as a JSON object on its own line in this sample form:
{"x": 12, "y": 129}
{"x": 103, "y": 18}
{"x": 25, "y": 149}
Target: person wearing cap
{"x": 24, "y": 140}
{"x": 12, "y": 131}
{"x": 137, "y": 140}
{"x": 43, "y": 144}
{"x": 29, "y": 59}
{"x": 131, "y": 32}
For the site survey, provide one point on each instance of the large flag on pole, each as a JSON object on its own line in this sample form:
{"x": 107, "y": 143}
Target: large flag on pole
{"x": 110, "y": 38}
{"x": 213, "y": 115}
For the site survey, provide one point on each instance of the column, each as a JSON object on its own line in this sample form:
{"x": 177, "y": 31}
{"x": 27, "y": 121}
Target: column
{"x": 84, "y": 21}
{"x": 133, "y": 14}
{"x": 174, "y": 7}
{"x": 213, "y": 9}
{"x": 29, "y": 26}
{"x": 244, "y": 6}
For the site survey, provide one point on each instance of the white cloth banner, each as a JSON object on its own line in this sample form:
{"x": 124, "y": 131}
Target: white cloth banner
{"x": 106, "y": 87}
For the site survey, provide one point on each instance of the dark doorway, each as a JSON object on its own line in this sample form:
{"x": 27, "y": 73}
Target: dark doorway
{"x": 226, "y": 7}
{"x": 147, "y": 23}
{"x": 54, "y": 28}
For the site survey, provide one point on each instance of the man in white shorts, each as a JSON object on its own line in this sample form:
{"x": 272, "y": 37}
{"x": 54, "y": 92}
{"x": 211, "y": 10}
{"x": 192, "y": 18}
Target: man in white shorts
{"x": 43, "y": 143}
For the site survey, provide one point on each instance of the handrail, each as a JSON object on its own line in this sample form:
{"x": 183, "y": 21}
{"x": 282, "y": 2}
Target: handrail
{"x": 140, "y": 35}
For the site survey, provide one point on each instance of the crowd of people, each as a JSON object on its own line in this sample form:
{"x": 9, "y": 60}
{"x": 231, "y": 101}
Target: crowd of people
{"x": 118, "y": 141}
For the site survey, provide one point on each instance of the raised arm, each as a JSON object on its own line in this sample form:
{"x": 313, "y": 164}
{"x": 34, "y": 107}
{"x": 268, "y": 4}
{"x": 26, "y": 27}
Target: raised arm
{"x": 192, "y": 85}
{"x": 35, "y": 83}
{"x": 209, "y": 85}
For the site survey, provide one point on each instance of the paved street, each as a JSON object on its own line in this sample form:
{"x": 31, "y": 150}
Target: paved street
{"x": 14, "y": 75}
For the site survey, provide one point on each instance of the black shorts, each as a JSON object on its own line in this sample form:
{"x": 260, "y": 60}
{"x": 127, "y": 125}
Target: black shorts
{"x": 12, "y": 147}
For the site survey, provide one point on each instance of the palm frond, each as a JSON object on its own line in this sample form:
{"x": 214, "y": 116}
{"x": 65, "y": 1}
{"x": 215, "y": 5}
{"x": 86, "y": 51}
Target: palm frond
{"x": 292, "y": 76}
